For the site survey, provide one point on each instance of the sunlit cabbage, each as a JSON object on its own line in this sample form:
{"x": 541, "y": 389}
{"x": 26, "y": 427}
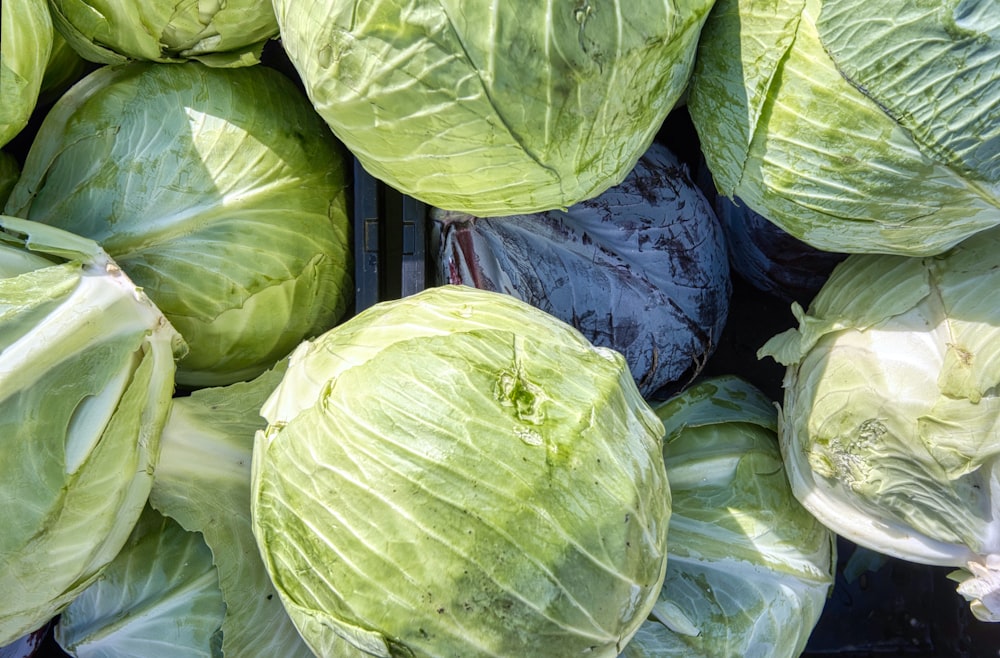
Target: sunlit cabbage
{"x": 856, "y": 126}
{"x": 748, "y": 568}
{"x": 641, "y": 268}
{"x": 494, "y": 108}
{"x": 25, "y": 44}
{"x": 219, "y": 191}
{"x": 86, "y": 378}
{"x": 891, "y": 416}
{"x": 159, "y": 597}
{"x": 217, "y": 32}
{"x": 460, "y": 474}
{"x": 203, "y": 481}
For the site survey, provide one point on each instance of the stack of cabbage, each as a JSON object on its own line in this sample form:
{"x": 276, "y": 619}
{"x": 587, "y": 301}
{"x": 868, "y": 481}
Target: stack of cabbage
{"x": 874, "y": 128}
{"x": 494, "y": 521}
{"x": 891, "y": 416}
{"x": 462, "y": 472}
{"x": 179, "y": 224}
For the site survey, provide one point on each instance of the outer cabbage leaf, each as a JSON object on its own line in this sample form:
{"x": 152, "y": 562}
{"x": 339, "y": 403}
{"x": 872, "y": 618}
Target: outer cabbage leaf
{"x": 159, "y": 596}
{"x": 855, "y": 127}
{"x": 934, "y": 67}
{"x": 748, "y": 568}
{"x": 459, "y": 473}
{"x": 494, "y": 108}
{"x": 219, "y": 191}
{"x": 203, "y": 481}
{"x": 86, "y": 378}
{"x": 641, "y": 268}
{"x": 891, "y": 414}
{"x": 225, "y": 33}
{"x": 25, "y": 43}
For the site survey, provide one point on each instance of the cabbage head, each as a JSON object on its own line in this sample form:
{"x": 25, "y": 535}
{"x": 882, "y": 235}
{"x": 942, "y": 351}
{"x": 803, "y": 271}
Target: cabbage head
{"x": 460, "y": 474}
{"x": 891, "y": 416}
{"x": 86, "y": 378}
{"x": 26, "y": 35}
{"x": 856, "y": 126}
{"x": 748, "y": 568}
{"x": 494, "y": 108}
{"x": 221, "y": 33}
{"x": 219, "y": 191}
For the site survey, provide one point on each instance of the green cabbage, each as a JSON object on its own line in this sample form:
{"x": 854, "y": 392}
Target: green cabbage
{"x": 86, "y": 378}
{"x": 891, "y": 413}
{"x": 856, "y": 126}
{"x": 494, "y": 108}
{"x": 26, "y": 35}
{"x": 748, "y": 568}
{"x": 218, "y": 191}
{"x": 458, "y": 473}
{"x": 214, "y": 32}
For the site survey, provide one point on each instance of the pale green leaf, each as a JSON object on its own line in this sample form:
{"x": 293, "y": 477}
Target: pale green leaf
{"x": 26, "y": 35}
{"x": 203, "y": 481}
{"x": 159, "y": 597}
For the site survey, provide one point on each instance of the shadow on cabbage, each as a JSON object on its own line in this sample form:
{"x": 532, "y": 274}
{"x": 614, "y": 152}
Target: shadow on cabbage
{"x": 230, "y": 212}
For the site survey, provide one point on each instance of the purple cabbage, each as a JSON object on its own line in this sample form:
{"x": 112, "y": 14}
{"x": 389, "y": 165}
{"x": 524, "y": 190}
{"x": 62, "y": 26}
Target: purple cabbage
{"x": 770, "y": 259}
{"x": 767, "y": 257}
{"x": 641, "y": 268}
{"x": 28, "y": 645}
